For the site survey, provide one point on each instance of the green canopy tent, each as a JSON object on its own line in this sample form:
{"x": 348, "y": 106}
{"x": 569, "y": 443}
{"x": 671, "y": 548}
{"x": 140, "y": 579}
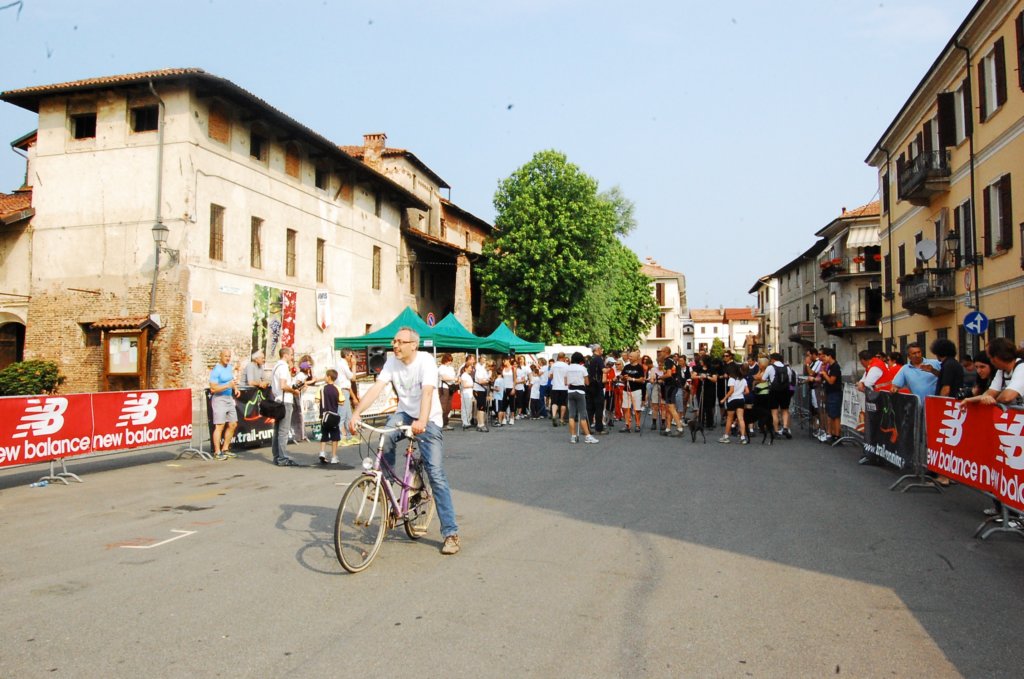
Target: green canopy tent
{"x": 503, "y": 340}
{"x": 383, "y": 337}
{"x": 451, "y": 334}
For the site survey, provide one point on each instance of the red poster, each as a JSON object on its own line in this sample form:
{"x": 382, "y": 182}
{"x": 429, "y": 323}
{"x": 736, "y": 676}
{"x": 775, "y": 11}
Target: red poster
{"x": 41, "y": 428}
{"x": 979, "y": 446}
{"x": 135, "y": 419}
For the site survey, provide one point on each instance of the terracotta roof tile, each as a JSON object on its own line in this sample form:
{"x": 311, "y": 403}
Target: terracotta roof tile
{"x": 870, "y": 210}
{"x": 13, "y": 203}
{"x": 658, "y": 271}
{"x": 739, "y": 314}
{"x": 123, "y": 79}
{"x": 123, "y": 323}
{"x": 707, "y": 315}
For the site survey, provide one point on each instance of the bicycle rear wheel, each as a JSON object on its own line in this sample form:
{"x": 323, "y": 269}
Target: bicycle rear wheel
{"x": 360, "y": 525}
{"x": 421, "y": 509}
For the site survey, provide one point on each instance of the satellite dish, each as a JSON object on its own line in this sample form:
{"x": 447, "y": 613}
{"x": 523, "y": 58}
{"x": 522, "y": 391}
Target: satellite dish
{"x": 926, "y": 249}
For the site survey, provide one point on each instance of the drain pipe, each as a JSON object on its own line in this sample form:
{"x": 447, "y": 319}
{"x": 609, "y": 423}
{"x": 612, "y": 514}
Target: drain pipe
{"x": 159, "y": 193}
{"x": 970, "y": 149}
{"x": 888, "y": 217}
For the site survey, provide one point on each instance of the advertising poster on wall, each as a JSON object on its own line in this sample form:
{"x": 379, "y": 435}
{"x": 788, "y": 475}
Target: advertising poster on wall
{"x": 273, "y": 320}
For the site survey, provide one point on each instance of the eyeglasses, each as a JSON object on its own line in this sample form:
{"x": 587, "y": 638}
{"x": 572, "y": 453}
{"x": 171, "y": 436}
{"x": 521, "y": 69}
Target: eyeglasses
{"x": 398, "y": 341}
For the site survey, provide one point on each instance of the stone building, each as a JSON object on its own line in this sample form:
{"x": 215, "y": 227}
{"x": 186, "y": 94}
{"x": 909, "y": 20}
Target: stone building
{"x": 673, "y": 328}
{"x": 177, "y": 208}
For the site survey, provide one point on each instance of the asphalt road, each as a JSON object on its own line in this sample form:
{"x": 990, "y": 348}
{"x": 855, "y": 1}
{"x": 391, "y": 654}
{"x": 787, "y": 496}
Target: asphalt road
{"x": 640, "y": 556}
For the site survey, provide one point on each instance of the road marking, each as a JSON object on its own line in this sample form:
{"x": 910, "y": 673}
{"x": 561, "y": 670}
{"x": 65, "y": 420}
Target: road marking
{"x": 181, "y": 534}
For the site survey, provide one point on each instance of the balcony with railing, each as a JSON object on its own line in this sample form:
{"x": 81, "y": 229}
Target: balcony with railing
{"x": 845, "y": 322}
{"x": 929, "y": 292}
{"x": 925, "y": 176}
{"x": 857, "y": 266}
{"x": 802, "y": 331}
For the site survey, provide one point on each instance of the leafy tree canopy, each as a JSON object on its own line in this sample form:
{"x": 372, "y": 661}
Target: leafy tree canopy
{"x": 556, "y": 268}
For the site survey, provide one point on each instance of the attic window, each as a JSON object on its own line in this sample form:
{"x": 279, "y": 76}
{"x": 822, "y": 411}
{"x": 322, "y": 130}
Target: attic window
{"x": 145, "y": 118}
{"x": 83, "y": 126}
{"x": 258, "y": 146}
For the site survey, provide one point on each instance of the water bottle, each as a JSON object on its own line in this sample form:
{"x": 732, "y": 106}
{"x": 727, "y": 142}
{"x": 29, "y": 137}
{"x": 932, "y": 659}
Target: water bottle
{"x": 39, "y": 484}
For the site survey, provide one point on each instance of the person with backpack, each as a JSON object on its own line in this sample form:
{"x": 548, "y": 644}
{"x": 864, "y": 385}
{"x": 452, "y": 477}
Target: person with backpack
{"x": 780, "y": 378}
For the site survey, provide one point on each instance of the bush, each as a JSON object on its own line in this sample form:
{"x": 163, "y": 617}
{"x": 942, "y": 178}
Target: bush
{"x": 30, "y": 378}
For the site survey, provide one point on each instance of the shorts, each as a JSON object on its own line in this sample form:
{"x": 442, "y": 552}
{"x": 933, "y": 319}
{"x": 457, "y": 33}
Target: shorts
{"x": 481, "y": 399}
{"x": 330, "y": 433}
{"x": 781, "y": 399}
{"x": 834, "y": 404}
{"x": 632, "y": 399}
{"x": 655, "y": 394}
{"x": 559, "y": 397}
{"x": 577, "y": 405}
{"x": 734, "y": 405}
{"x": 223, "y": 410}
{"x": 677, "y": 400}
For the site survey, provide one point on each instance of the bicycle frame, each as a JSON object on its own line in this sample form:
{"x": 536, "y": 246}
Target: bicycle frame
{"x": 380, "y": 470}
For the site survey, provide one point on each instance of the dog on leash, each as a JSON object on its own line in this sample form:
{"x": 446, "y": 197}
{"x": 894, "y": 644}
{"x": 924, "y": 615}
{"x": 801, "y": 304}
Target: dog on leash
{"x": 761, "y": 417}
{"x": 696, "y": 424}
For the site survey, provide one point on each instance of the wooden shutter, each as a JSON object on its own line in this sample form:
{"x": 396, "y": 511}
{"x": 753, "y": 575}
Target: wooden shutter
{"x": 986, "y": 209}
{"x": 1005, "y": 213}
{"x": 1019, "y": 23}
{"x": 292, "y": 161}
{"x": 1000, "y": 63}
{"x": 920, "y": 142}
{"x": 968, "y": 109}
{"x": 218, "y": 125}
{"x": 947, "y": 119}
{"x": 981, "y": 91}
{"x": 928, "y": 136}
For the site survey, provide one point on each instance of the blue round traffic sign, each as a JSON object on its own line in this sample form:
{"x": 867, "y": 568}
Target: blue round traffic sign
{"x": 976, "y": 323}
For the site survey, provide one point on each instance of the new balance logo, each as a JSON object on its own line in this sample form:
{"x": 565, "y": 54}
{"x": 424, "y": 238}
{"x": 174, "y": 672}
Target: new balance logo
{"x": 138, "y": 409}
{"x": 42, "y": 417}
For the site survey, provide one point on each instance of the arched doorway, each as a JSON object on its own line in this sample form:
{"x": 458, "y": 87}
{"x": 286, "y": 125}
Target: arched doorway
{"x": 12, "y": 343}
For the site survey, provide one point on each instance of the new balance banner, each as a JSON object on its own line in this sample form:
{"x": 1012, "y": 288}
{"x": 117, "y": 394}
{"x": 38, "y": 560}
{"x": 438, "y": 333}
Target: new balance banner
{"x": 890, "y": 427}
{"x": 978, "y": 445}
{"x": 253, "y": 430}
{"x": 41, "y": 428}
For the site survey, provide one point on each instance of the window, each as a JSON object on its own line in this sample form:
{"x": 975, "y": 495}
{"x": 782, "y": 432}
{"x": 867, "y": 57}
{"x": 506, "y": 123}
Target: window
{"x": 321, "y": 178}
{"x": 256, "y": 243}
{"x": 217, "y": 233}
{"x": 703, "y": 329}
{"x": 660, "y": 331}
{"x": 259, "y": 145}
{"x": 962, "y": 112}
{"x": 918, "y": 237}
{"x": 83, "y": 126}
{"x": 922, "y": 339}
{"x": 964, "y": 226}
{"x": 942, "y": 333}
{"x": 375, "y": 274}
{"x": 1002, "y": 327}
{"x": 931, "y": 135}
{"x": 289, "y": 252}
{"x": 998, "y": 213}
{"x": 970, "y": 345}
{"x": 218, "y": 124}
{"x": 378, "y": 204}
{"x": 807, "y": 312}
{"x": 901, "y": 261}
{"x": 145, "y": 118}
{"x": 320, "y": 247}
{"x": 292, "y": 160}
{"x": 91, "y": 337}
{"x": 903, "y": 344}
{"x": 714, "y": 330}
{"x": 992, "y": 81}
{"x": 659, "y": 295}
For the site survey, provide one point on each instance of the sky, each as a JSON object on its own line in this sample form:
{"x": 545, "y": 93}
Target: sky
{"x": 737, "y": 129}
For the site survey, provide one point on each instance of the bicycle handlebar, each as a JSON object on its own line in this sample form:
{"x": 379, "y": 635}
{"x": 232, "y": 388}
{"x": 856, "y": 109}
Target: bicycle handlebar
{"x": 406, "y": 429}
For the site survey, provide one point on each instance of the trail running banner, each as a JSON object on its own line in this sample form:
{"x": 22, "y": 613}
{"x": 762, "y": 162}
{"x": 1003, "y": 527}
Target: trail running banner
{"x": 890, "y": 427}
{"x": 253, "y": 430}
{"x": 978, "y": 445}
{"x": 43, "y": 428}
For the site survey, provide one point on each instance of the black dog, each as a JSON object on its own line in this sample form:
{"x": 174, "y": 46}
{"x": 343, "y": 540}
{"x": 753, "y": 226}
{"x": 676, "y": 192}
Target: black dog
{"x": 761, "y": 417}
{"x": 696, "y": 424}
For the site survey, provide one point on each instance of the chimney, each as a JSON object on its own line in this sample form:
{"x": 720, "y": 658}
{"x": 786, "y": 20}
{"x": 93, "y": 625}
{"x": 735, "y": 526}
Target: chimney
{"x": 373, "y": 149}
{"x": 844, "y": 209}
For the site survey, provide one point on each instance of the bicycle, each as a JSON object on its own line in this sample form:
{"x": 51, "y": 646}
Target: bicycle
{"x": 369, "y": 507}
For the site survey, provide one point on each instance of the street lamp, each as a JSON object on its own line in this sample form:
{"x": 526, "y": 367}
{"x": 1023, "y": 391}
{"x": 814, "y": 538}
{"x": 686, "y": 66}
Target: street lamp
{"x": 952, "y": 242}
{"x": 160, "y": 234}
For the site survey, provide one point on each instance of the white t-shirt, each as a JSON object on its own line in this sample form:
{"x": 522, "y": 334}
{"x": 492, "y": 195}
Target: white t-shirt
{"x": 522, "y": 377}
{"x": 282, "y": 373}
{"x": 534, "y": 387}
{"x": 508, "y": 377}
{"x": 482, "y": 376}
{"x": 736, "y": 387}
{"x": 466, "y": 380}
{"x": 558, "y": 369}
{"x": 1016, "y": 381}
{"x": 873, "y": 374}
{"x": 446, "y": 374}
{"x": 409, "y": 381}
{"x": 498, "y": 388}
{"x": 345, "y": 375}
{"x": 575, "y": 377}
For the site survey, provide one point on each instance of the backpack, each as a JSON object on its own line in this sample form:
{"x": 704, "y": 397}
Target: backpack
{"x": 780, "y": 380}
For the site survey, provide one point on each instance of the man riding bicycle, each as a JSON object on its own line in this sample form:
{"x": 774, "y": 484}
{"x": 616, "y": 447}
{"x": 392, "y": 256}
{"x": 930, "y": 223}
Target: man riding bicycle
{"x": 413, "y": 374}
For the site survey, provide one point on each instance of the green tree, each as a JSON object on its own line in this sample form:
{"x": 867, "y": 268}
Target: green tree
{"x": 30, "y": 378}
{"x": 717, "y": 349}
{"x": 556, "y": 267}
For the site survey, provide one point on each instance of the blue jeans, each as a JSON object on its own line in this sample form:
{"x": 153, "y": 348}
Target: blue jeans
{"x": 345, "y": 411}
{"x": 279, "y": 444}
{"x": 432, "y": 451}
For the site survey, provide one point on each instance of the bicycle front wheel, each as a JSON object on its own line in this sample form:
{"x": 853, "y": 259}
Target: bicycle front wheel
{"x": 421, "y": 509}
{"x": 360, "y": 525}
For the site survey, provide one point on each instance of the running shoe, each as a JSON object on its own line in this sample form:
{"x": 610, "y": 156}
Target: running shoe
{"x": 590, "y": 439}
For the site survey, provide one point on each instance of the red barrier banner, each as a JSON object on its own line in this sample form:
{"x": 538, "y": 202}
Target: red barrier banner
{"x": 42, "y": 428}
{"x": 977, "y": 445}
{"x": 135, "y": 419}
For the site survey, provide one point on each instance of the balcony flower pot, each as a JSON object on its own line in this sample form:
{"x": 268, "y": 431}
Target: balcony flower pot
{"x": 861, "y": 323}
{"x": 858, "y": 260}
{"x": 878, "y": 258}
{"x": 837, "y": 261}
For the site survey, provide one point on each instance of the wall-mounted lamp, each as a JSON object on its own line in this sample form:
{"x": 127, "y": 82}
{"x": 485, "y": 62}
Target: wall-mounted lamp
{"x": 160, "y": 234}
{"x": 409, "y": 260}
